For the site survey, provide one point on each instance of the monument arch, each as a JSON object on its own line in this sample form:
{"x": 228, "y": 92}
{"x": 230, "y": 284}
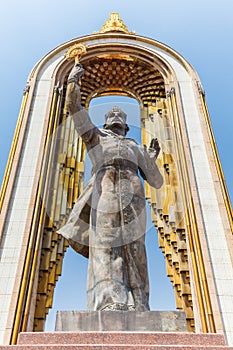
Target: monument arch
{"x": 45, "y": 171}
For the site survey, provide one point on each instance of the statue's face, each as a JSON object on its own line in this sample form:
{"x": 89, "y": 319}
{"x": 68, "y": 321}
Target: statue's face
{"x": 115, "y": 119}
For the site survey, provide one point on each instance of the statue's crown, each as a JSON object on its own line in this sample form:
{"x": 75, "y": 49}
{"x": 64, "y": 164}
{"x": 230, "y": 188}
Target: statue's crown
{"x": 114, "y": 110}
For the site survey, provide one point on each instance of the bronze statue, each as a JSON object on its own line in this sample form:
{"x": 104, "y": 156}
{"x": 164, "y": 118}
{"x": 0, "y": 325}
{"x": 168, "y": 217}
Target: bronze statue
{"x": 108, "y": 222}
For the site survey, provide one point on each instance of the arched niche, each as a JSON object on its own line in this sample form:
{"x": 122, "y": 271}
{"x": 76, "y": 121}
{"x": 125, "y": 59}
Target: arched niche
{"x": 132, "y": 73}
{"x": 173, "y": 109}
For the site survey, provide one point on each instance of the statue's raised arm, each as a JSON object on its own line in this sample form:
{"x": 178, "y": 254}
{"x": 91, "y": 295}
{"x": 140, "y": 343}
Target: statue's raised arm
{"x": 73, "y": 95}
{"x": 83, "y": 124}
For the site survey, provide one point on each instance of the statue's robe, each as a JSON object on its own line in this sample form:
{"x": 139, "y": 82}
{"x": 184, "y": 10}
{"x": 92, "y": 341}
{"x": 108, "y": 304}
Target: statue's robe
{"x": 108, "y": 222}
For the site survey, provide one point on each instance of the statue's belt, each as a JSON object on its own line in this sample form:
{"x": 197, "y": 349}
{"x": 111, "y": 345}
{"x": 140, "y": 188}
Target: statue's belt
{"x": 117, "y": 162}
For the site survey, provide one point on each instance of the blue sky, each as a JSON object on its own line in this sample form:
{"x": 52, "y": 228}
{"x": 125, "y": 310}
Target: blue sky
{"x": 202, "y": 31}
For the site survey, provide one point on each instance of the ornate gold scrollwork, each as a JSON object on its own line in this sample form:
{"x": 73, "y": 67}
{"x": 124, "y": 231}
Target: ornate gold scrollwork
{"x": 75, "y": 52}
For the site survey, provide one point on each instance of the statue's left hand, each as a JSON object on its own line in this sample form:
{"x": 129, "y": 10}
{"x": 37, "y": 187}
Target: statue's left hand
{"x": 154, "y": 148}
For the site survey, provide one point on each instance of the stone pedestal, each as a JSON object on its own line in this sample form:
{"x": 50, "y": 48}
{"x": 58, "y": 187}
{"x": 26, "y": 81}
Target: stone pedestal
{"x": 118, "y": 321}
{"x": 119, "y": 330}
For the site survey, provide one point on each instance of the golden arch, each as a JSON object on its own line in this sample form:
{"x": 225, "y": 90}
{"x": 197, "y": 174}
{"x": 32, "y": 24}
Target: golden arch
{"x": 144, "y": 77}
{"x": 149, "y": 77}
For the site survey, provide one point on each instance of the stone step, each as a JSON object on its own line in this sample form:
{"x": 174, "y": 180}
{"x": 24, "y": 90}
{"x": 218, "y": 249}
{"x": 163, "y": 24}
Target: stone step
{"x": 113, "y": 347}
{"x": 118, "y": 341}
{"x": 118, "y": 338}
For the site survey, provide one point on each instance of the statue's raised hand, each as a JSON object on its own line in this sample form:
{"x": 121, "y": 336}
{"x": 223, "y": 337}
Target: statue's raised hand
{"x": 76, "y": 73}
{"x": 154, "y": 148}
{"x": 73, "y": 95}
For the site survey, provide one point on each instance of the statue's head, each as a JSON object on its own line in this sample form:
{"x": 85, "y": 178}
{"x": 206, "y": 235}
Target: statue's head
{"x": 115, "y": 120}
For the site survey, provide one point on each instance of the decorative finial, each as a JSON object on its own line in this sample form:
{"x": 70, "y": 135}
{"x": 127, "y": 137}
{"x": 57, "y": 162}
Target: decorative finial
{"x": 114, "y": 24}
{"x": 75, "y": 52}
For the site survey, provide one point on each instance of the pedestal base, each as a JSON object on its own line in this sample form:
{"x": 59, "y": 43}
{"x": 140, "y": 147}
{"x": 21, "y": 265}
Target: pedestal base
{"x": 135, "y": 321}
{"x": 118, "y": 341}
{"x": 119, "y": 330}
